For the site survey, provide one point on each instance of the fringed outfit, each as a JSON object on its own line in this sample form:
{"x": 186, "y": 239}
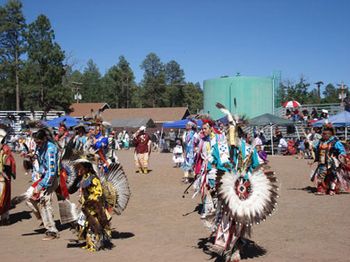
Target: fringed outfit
{"x": 212, "y": 160}
{"x": 236, "y": 192}
{"x": 94, "y": 228}
{"x": 7, "y": 171}
{"x": 327, "y": 156}
{"x": 100, "y": 145}
{"x": 190, "y": 141}
{"x": 41, "y": 203}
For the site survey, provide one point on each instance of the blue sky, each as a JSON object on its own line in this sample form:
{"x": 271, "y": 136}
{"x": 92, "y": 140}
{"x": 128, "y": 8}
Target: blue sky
{"x": 207, "y": 38}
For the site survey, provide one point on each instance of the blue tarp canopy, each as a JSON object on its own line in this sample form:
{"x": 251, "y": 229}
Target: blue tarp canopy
{"x": 67, "y": 120}
{"x": 340, "y": 119}
{"x": 180, "y": 123}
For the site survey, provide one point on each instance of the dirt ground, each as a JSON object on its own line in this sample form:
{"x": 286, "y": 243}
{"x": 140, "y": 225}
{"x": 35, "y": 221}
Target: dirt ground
{"x": 160, "y": 225}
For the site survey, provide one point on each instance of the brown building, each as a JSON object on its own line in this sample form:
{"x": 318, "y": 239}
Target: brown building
{"x": 87, "y": 110}
{"x": 159, "y": 115}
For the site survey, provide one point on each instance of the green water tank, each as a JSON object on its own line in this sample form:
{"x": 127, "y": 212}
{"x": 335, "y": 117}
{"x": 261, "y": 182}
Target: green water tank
{"x": 243, "y": 95}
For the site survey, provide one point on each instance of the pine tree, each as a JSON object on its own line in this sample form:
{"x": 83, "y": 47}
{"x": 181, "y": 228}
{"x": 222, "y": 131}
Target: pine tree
{"x": 12, "y": 44}
{"x": 153, "y": 83}
{"x": 45, "y": 69}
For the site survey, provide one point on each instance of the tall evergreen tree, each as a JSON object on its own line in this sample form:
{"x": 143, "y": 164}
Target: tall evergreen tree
{"x": 109, "y": 95}
{"x": 122, "y": 81}
{"x": 45, "y": 69}
{"x": 153, "y": 83}
{"x": 175, "y": 79}
{"x": 331, "y": 94}
{"x": 174, "y": 73}
{"x": 127, "y": 81}
{"x": 299, "y": 92}
{"x": 72, "y": 80}
{"x": 193, "y": 97}
{"x": 12, "y": 44}
{"x": 312, "y": 97}
{"x": 91, "y": 91}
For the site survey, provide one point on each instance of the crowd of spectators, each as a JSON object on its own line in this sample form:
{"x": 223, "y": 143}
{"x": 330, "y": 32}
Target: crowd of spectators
{"x": 301, "y": 147}
{"x": 303, "y": 115}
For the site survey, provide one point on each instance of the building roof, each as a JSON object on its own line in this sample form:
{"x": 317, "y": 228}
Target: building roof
{"x": 132, "y": 122}
{"x": 158, "y": 114}
{"x": 85, "y": 109}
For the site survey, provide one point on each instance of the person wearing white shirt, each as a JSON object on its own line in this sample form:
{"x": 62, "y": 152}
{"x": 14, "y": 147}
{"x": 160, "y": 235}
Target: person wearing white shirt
{"x": 282, "y": 145}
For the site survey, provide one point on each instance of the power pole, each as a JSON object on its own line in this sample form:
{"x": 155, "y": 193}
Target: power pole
{"x": 318, "y": 84}
{"x": 127, "y": 91}
{"x": 76, "y": 88}
{"x": 342, "y": 93}
{"x": 17, "y": 81}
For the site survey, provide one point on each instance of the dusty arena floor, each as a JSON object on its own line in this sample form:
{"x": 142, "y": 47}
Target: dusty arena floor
{"x": 159, "y": 225}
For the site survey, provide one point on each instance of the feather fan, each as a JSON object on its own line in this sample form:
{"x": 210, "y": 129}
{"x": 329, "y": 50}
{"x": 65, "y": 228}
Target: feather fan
{"x": 118, "y": 179}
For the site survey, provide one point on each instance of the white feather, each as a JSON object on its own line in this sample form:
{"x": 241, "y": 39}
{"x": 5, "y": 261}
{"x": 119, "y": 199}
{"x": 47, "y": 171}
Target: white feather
{"x": 258, "y": 202}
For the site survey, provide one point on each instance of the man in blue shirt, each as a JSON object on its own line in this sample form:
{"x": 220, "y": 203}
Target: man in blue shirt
{"x": 41, "y": 201}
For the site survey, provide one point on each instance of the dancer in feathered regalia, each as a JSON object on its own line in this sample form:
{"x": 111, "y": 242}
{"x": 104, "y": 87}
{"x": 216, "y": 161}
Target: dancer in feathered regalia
{"x": 329, "y": 151}
{"x": 237, "y": 192}
{"x": 30, "y": 162}
{"x": 41, "y": 192}
{"x": 247, "y": 194}
{"x": 95, "y": 224}
{"x": 80, "y": 139}
{"x": 101, "y": 195}
{"x": 7, "y": 172}
{"x": 212, "y": 160}
{"x": 79, "y": 166}
{"x": 62, "y": 136}
{"x": 190, "y": 140}
{"x": 100, "y": 144}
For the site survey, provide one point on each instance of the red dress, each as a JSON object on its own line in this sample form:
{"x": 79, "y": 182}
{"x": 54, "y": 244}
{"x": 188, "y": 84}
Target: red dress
{"x": 7, "y": 159}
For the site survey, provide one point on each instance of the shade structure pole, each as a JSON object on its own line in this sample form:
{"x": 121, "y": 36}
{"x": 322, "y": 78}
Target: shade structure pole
{"x": 346, "y": 133}
{"x": 271, "y": 140}
{"x": 160, "y": 140}
{"x": 296, "y": 128}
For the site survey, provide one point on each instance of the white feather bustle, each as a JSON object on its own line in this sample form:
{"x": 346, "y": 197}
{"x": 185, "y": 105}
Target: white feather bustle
{"x": 260, "y": 203}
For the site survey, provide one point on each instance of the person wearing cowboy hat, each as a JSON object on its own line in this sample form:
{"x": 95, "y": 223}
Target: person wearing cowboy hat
{"x": 7, "y": 170}
{"x": 142, "y": 144}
